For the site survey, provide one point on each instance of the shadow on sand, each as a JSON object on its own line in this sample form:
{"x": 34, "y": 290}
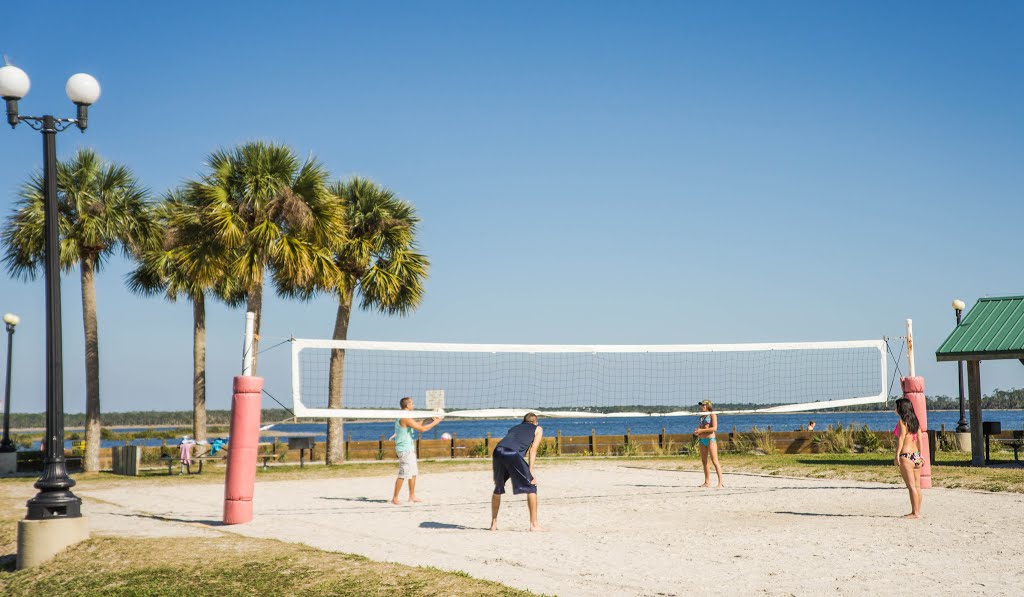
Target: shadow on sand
{"x": 445, "y": 525}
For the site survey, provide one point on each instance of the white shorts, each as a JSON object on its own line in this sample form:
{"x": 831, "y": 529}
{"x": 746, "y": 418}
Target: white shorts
{"x": 407, "y": 467}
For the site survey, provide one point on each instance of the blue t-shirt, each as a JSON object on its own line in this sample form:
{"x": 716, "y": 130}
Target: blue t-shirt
{"x": 519, "y": 438}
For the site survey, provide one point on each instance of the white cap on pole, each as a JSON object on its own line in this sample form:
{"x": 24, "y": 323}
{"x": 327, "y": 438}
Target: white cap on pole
{"x": 247, "y": 356}
{"x": 910, "y": 347}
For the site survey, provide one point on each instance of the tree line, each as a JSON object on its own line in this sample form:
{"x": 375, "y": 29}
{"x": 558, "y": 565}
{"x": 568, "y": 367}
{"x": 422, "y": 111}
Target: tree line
{"x": 256, "y": 214}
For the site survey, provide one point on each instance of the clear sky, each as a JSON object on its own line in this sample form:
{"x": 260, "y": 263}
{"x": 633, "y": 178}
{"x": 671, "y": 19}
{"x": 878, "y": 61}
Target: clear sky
{"x": 656, "y": 172}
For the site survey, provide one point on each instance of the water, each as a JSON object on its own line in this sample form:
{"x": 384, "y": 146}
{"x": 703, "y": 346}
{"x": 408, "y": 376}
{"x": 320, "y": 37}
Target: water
{"x": 475, "y": 428}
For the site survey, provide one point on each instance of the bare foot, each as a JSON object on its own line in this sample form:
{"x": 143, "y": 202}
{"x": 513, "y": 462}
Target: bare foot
{"x": 537, "y": 529}
{"x": 704, "y": 485}
{"x": 414, "y": 500}
{"x": 912, "y": 515}
{"x": 720, "y": 486}
{"x": 396, "y": 502}
{"x": 494, "y": 526}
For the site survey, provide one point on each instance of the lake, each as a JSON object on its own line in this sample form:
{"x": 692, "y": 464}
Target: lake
{"x": 476, "y": 428}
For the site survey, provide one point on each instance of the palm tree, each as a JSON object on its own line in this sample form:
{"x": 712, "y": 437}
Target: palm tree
{"x": 182, "y": 261}
{"x": 378, "y": 257}
{"x": 273, "y": 213}
{"x": 102, "y": 209}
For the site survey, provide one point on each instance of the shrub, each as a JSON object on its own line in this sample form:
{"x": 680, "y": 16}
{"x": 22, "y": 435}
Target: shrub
{"x": 630, "y": 448}
{"x": 755, "y": 441}
{"x": 546, "y": 448}
{"x": 888, "y": 442}
{"x": 668, "y": 449}
{"x": 868, "y": 440}
{"x": 835, "y": 440}
{"x": 946, "y": 441}
{"x": 480, "y": 451}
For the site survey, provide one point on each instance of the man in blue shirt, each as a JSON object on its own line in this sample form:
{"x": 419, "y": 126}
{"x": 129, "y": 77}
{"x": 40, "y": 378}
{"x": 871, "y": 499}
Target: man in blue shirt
{"x": 510, "y": 462}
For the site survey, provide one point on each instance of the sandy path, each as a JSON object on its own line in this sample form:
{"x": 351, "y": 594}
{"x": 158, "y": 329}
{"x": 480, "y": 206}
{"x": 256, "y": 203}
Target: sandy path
{"x": 626, "y": 530}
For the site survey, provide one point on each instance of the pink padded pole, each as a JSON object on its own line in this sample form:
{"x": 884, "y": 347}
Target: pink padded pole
{"x": 913, "y": 390}
{"x": 240, "y": 481}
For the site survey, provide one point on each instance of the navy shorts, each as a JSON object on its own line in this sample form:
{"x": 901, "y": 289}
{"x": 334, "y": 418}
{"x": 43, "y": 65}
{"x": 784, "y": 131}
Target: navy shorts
{"x": 508, "y": 464}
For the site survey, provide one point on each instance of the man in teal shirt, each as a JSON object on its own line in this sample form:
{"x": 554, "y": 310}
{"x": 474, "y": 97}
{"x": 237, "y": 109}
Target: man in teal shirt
{"x": 405, "y": 447}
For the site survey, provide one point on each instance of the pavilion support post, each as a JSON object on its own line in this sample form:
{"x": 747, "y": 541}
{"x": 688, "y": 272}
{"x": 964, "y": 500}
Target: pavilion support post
{"x": 974, "y": 394}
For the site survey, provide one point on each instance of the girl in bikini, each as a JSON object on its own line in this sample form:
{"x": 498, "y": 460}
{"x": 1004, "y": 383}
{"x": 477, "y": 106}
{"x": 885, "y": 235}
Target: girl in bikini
{"x": 908, "y": 453}
{"x": 705, "y": 433}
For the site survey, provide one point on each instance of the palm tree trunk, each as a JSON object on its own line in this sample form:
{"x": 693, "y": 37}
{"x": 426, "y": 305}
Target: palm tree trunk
{"x": 92, "y": 366}
{"x": 335, "y": 430}
{"x": 254, "y": 304}
{"x": 199, "y": 367}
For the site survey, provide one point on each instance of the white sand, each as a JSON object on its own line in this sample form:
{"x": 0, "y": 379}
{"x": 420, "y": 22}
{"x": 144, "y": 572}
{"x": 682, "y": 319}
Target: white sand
{"x": 627, "y": 530}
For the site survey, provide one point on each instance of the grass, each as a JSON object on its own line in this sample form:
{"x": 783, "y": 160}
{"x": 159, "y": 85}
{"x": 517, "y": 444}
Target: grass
{"x": 231, "y": 565}
{"x": 226, "y": 565}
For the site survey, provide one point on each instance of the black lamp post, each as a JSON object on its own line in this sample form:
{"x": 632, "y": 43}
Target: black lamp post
{"x": 6, "y": 445}
{"x": 55, "y": 499}
{"x": 961, "y": 426}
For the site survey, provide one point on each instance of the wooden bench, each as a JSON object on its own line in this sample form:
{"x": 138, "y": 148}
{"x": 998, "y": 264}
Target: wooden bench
{"x": 1016, "y": 442}
{"x": 186, "y": 468}
{"x": 268, "y": 456}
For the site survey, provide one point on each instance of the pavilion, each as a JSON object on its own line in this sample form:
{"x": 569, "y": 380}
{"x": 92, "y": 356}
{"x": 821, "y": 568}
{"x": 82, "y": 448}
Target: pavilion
{"x": 992, "y": 329}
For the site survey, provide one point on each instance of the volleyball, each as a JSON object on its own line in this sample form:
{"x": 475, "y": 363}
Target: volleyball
{"x": 446, "y": 436}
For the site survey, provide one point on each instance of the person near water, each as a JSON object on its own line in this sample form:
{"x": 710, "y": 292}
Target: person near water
{"x": 908, "y": 453}
{"x": 708, "y": 444}
{"x": 514, "y": 457}
{"x": 405, "y": 448}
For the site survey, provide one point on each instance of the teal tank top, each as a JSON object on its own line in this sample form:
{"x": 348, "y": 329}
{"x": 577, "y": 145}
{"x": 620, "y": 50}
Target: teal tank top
{"x": 405, "y": 437}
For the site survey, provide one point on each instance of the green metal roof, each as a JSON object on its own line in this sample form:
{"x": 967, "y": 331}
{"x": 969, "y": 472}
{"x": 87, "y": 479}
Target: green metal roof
{"x": 992, "y": 329}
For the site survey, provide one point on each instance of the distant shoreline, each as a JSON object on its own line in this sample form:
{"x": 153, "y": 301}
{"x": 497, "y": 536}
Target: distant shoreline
{"x": 819, "y": 415}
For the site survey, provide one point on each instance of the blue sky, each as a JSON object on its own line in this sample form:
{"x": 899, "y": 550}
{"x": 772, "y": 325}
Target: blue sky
{"x": 655, "y": 172}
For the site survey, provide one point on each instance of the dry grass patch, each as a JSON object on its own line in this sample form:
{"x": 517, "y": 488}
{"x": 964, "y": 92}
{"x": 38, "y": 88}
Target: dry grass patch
{"x": 225, "y": 565}
{"x": 230, "y": 565}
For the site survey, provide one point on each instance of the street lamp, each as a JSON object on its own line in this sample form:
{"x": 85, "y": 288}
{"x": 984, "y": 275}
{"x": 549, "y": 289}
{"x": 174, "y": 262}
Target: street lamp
{"x": 55, "y": 499}
{"x": 961, "y": 426}
{"x": 6, "y": 445}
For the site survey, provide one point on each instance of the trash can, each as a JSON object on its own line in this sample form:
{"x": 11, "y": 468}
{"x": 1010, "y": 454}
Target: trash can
{"x": 988, "y": 429}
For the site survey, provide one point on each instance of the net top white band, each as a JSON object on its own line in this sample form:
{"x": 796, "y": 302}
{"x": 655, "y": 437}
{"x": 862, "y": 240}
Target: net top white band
{"x": 299, "y": 343}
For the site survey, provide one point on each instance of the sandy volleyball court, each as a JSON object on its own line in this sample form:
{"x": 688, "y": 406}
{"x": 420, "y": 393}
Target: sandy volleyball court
{"x": 626, "y": 529}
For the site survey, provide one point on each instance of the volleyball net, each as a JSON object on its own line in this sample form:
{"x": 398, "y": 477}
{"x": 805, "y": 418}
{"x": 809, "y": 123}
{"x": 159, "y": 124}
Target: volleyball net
{"x": 361, "y": 379}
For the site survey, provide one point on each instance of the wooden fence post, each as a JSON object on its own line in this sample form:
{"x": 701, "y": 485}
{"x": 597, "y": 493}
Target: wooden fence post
{"x": 661, "y": 439}
{"x": 380, "y": 447}
{"x": 347, "y": 448}
{"x": 593, "y": 442}
{"x": 558, "y": 442}
{"x": 451, "y": 443}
